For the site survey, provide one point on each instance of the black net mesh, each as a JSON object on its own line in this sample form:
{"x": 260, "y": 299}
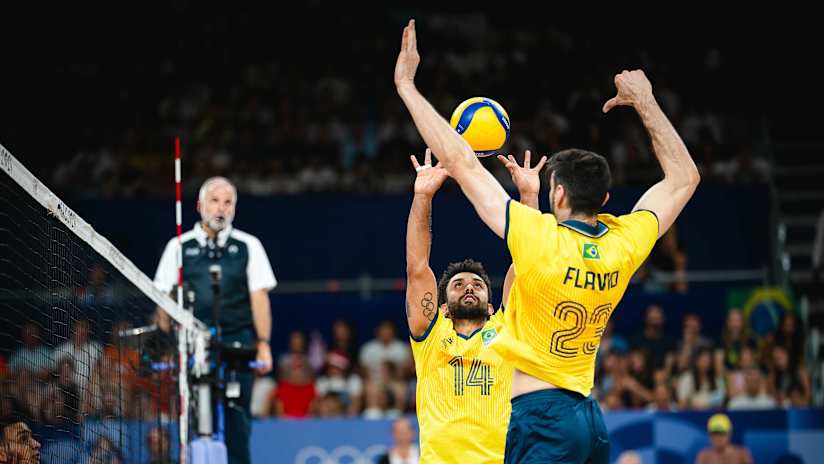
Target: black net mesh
{"x": 71, "y": 370}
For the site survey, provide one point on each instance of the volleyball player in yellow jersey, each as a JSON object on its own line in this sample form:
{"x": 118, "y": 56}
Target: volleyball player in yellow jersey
{"x": 571, "y": 267}
{"x": 463, "y": 389}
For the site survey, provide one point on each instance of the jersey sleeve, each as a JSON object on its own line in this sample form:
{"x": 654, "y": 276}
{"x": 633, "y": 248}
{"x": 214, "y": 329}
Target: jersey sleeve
{"x": 166, "y": 274}
{"x": 259, "y": 272}
{"x": 641, "y": 229}
{"x": 528, "y": 234}
{"x": 425, "y": 345}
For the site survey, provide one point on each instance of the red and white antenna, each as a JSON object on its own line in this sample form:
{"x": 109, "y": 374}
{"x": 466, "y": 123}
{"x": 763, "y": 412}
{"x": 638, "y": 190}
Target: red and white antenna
{"x": 179, "y": 223}
{"x": 182, "y": 346}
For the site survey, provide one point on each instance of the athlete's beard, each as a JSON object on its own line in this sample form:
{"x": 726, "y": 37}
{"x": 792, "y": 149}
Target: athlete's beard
{"x": 472, "y": 312}
{"x": 24, "y": 456}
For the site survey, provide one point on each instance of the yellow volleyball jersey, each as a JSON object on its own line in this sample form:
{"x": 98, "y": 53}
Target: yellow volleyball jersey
{"x": 462, "y": 396}
{"x": 570, "y": 277}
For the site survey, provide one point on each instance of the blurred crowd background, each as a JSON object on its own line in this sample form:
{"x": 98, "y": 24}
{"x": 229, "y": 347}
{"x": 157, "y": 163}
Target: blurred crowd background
{"x": 334, "y": 377}
{"x": 237, "y": 89}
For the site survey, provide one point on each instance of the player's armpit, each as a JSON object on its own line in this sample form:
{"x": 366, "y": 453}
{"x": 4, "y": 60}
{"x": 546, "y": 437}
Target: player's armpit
{"x": 666, "y": 199}
{"x": 421, "y": 302}
{"x": 508, "y": 281}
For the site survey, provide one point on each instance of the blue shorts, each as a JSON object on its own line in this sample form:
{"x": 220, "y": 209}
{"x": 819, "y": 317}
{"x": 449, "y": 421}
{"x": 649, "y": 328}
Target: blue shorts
{"x": 556, "y": 425}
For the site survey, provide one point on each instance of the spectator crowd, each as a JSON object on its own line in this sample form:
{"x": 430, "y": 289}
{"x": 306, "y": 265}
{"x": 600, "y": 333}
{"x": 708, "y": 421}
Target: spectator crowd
{"x": 648, "y": 370}
{"x": 279, "y": 122}
{"x": 84, "y": 378}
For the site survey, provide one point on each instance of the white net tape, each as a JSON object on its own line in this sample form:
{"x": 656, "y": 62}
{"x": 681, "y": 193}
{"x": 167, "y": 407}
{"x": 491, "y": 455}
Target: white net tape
{"x": 11, "y": 166}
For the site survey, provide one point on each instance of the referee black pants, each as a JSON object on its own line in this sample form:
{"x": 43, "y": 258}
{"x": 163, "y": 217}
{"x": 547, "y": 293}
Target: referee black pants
{"x": 237, "y": 411}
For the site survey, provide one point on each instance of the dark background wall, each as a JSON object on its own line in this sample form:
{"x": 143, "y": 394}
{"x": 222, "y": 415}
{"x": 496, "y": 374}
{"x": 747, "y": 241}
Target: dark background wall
{"x": 345, "y": 235}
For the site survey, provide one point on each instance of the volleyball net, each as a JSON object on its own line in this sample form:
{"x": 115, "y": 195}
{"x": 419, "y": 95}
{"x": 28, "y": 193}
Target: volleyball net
{"x": 85, "y": 360}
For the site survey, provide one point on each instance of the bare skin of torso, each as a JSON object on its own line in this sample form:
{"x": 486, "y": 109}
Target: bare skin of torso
{"x": 524, "y": 383}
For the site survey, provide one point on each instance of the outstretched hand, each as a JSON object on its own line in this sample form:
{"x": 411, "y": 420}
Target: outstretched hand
{"x": 633, "y": 89}
{"x": 408, "y": 57}
{"x": 430, "y": 178}
{"x": 526, "y": 178}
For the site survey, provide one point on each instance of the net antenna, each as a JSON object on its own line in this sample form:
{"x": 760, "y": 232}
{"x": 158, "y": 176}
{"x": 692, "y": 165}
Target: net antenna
{"x": 193, "y": 334}
{"x": 183, "y": 336}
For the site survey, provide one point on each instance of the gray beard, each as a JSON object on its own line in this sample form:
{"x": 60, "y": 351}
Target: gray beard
{"x": 458, "y": 310}
{"x": 217, "y": 223}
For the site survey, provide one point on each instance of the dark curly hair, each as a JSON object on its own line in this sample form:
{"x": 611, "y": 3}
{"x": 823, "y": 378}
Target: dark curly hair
{"x": 467, "y": 265}
{"x": 585, "y": 176}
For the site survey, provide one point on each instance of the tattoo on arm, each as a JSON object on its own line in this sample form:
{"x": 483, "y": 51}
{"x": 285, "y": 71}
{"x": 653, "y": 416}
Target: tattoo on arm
{"x": 428, "y": 306}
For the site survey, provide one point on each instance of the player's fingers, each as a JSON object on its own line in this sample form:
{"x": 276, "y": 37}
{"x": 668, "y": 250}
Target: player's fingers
{"x": 540, "y": 163}
{"x": 427, "y": 157}
{"x": 415, "y": 163}
{"x": 527, "y": 158}
{"x": 610, "y": 104}
{"x": 404, "y": 38}
{"x": 509, "y": 163}
{"x": 512, "y": 159}
{"x": 413, "y": 39}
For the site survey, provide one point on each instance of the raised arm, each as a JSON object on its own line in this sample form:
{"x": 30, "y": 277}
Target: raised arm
{"x": 421, "y": 288}
{"x": 528, "y": 181}
{"x": 478, "y": 184}
{"x": 669, "y": 196}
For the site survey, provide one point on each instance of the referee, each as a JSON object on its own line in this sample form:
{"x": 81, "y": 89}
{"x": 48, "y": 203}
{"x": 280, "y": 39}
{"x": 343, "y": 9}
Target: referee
{"x": 246, "y": 278}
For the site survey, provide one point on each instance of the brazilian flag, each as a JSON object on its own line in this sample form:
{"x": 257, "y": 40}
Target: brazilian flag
{"x": 762, "y": 307}
{"x": 591, "y": 251}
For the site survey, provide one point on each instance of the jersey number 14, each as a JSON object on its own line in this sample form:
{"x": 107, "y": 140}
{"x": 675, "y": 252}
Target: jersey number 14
{"x": 479, "y": 376}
